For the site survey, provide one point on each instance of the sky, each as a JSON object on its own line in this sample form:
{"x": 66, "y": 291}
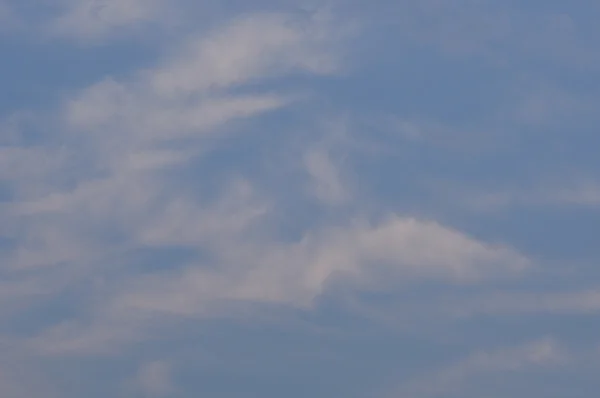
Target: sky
{"x": 299, "y": 198}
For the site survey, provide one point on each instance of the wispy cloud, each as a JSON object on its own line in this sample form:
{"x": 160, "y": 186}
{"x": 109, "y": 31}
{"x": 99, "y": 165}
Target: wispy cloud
{"x": 326, "y": 182}
{"x": 8, "y": 19}
{"x": 90, "y": 21}
{"x": 568, "y": 191}
{"x": 271, "y": 272}
{"x": 110, "y": 190}
{"x": 578, "y": 302}
{"x": 498, "y": 31}
{"x": 220, "y": 172}
{"x": 154, "y": 379}
{"x": 120, "y": 129}
{"x": 542, "y": 353}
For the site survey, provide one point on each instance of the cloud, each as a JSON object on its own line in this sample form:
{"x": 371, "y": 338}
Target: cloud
{"x": 326, "y": 182}
{"x": 90, "y": 21}
{"x": 8, "y": 20}
{"x": 107, "y": 183}
{"x": 188, "y": 91}
{"x": 542, "y": 353}
{"x": 250, "y": 48}
{"x": 297, "y": 273}
{"x": 154, "y": 379}
{"x": 117, "y": 131}
{"x": 585, "y": 194}
{"x": 145, "y": 116}
{"x": 22, "y": 164}
{"x": 401, "y": 130}
{"x": 497, "y": 31}
{"x": 21, "y": 376}
{"x": 149, "y": 204}
{"x": 578, "y": 302}
{"x": 568, "y": 191}
{"x": 263, "y": 271}
{"x": 461, "y": 27}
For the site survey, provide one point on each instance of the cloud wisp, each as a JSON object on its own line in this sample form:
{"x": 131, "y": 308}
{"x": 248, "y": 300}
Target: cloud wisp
{"x": 205, "y": 199}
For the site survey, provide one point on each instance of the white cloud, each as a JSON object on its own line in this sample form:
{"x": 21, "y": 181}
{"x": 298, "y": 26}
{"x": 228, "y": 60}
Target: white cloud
{"x": 144, "y": 116}
{"x": 297, "y": 273}
{"x": 548, "y": 106}
{"x": 257, "y": 269}
{"x": 569, "y": 191}
{"x": 251, "y": 48}
{"x": 21, "y": 164}
{"x": 183, "y": 222}
{"x": 430, "y": 132}
{"x": 462, "y": 27}
{"x": 497, "y": 31}
{"x": 326, "y": 181}
{"x": 545, "y": 352}
{"x": 8, "y": 19}
{"x": 154, "y": 379}
{"x": 457, "y": 306}
{"x": 117, "y": 130}
{"x": 578, "y": 302}
{"x": 117, "y": 228}
{"x": 188, "y": 92}
{"x": 92, "y": 20}
{"x": 122, "y": 197}
{"x": 110, "y": 187}
{"x": 21, "y": 376}
{"x": 585, "y": 192}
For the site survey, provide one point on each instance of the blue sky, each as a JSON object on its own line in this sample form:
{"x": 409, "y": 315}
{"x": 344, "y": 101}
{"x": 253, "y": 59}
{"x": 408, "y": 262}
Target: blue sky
{"x": 299, "y": 198}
